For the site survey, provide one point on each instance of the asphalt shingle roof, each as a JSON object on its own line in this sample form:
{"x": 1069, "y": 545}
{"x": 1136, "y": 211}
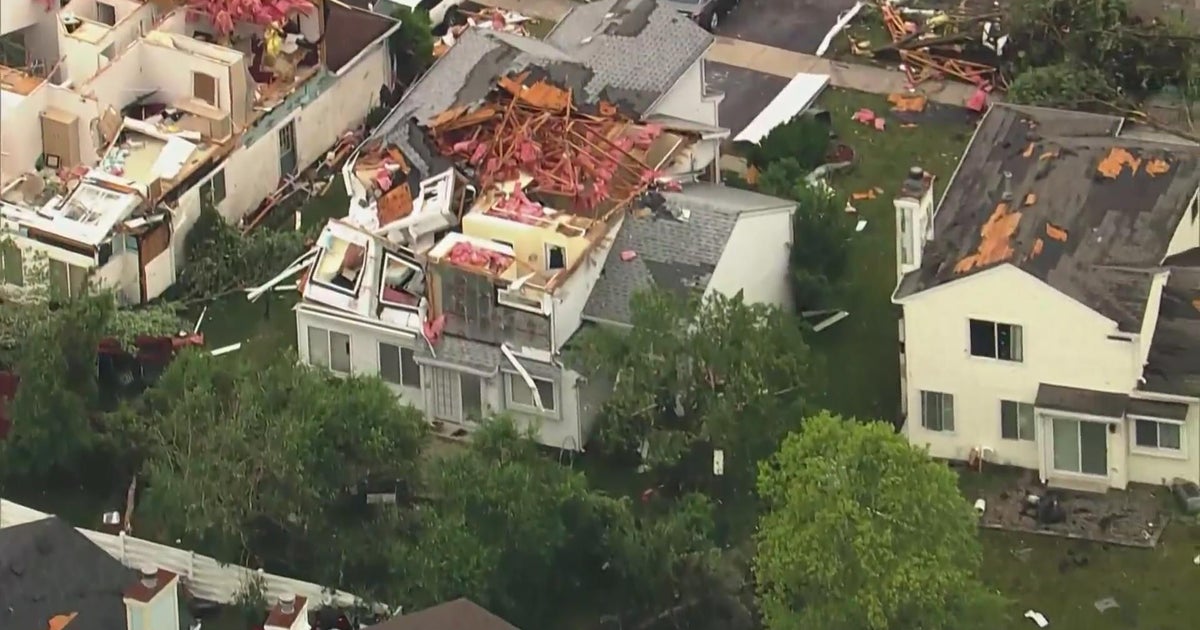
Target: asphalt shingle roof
{"x": 47, "y": 568}
{"x": 672, "y": 255}
{"x": 1173, "y": 366}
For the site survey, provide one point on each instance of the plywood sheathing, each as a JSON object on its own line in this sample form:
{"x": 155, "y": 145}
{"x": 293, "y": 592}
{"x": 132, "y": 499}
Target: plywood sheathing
{"x": 995, "y": 243}
{"x": 1056, "y": 233}
{"x": 1116, "y": 161}
{"x": 1156, "y": 167}
{"x": 912, "y": 103}
{"x": 396, "y": 204}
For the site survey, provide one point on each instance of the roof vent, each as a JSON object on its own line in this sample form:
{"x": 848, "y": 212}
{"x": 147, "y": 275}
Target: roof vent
{"x": 149, "y": 576}
{"x": 914, "y": 183}
{"x": 1007, "y": 195}
{"x": 287, "y": 603}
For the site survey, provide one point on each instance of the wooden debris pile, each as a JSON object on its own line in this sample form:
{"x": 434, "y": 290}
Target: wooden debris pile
{"x": 530, "y": 131}
{"x": 933, "y": 44}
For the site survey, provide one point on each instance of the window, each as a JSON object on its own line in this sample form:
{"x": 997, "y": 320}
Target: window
{"x": 397, "y": 365}
{"x": 1016, "y": 420}
{"x": 11, "y": 266}
{"x": 106, "y": 14}
{"x": 471, "y": 390}
{"x": 937, "y": 411}
{"x": 403, "y": 283}
{"x": 519, "y": 394}
{"x": 556, "y": 257}
{"x": 329, "y": 349}
{"x": 204, "y": 88}
{"x": 212, "y": 192}
{"x": 996, "y": 341}
{"x": 1158, "y": 434}
{"x": 66, "y": 281}
{"x": 905, "y": 239}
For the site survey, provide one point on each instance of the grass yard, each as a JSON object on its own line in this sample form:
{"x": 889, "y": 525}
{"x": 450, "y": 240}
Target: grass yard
{"x": 862, "y": 351}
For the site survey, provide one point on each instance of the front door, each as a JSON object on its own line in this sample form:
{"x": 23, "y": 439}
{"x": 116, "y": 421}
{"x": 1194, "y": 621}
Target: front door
{"x": 1080, "y": 447}
{"x": 447, "y": 395}
{"x": 287, "y": 150}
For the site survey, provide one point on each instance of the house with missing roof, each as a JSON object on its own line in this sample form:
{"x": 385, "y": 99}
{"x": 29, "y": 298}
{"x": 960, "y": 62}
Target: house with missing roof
{"x": 1051, "y": 302}
{"x": 125, "y": 117}
{"x": 523, "y": 189}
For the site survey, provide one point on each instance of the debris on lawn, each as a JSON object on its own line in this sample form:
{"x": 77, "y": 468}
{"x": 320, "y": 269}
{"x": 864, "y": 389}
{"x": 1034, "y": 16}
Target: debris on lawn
{"x": 1023, "y": 553}
{"x": 1037, "y": 618}
{"x": 870, "y": 193}
{"x": 864, "y": 116}
{"x": 862, "y": 225}
{"x": 1106, "y": 603}
{"x": 980, "y": 506}
{"x": 912, "y": 103}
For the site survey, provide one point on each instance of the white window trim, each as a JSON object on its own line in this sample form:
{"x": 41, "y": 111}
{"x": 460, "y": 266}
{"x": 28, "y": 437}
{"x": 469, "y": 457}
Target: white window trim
{"x": 953, "y": 414}
{"x": 1158, "y": 451}
{"x": 532, "y": 409}
{"x": 1033, "y": 419}
{"x": 388, "y": 257}
{"x": 400, "y": 348}
{"x": 1060, "y": 473}
{"x": 996, "y": 343}
{"x": 329, "y": 346}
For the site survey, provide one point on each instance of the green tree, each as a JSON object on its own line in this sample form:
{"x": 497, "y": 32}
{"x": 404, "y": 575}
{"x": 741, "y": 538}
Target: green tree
{"x": 864, "y": 532}
{"x": 804, "y": 138}
{"x": 249, "y": 459}
{"x": 411, "y": 45}
{"x": 698, "y": 374}
{"x": 220, "y": 258}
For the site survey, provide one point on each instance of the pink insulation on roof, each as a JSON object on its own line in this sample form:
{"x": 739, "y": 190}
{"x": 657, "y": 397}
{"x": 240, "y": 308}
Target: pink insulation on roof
{"x": 468, "y": 255}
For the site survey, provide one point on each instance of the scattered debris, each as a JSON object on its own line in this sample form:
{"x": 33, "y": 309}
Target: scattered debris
{"x": 1022, "y": 553}
{"x": 864, "y": 116}
{"x": 1037, "y": 618}
{"x": 628, "y": 255}
{"x": 880, "y": 124}
{"x": 851, "y": 209}
{"x": 486, "y": 18}
{"x": 861, "y": 225}
{"x": 831, "y": 320}
{"x": 1105, "y": 604}
{"x": 942, "y": 44}
{"x": 980, "y": 506}
{"x": 866, "y": 194}
{"x": 978, "y": 101}
{"x": 226, "y": 349}
{"x": 911, "y": 103}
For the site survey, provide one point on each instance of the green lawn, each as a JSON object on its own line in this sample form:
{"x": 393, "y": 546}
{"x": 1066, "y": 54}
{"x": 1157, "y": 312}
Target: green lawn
{"x": 862, "y": 352}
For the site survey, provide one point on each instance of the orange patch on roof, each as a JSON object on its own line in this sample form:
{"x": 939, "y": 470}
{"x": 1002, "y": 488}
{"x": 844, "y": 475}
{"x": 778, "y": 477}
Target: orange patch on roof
{"x": 1157, "y": 167}
{"x": 1049, "y": 155}
{"x": 1038, "y": 246}
{"x": 541, "y": 94}
{"x": 1116, "y": 160}
{"x": 1056, "y": 233}
{"x": 396, "y": 204}
{"x": 58, "y": 622}
{"x": 1029, "y": 150}
{"x": 1196, "y": 304}
{"x": 995, "y": 243}
{"x": 1030, "y": 199}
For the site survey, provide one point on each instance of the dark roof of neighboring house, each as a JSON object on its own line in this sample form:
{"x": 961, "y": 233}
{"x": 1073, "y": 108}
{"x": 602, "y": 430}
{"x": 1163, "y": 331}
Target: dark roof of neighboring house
{"x": 1173, "y": 366}
{"x": 1089, "y": 401}
{"x": 1089, "y": 213}
{"x": 47, "y": 568}
{"x": 630, "y": 59}
{"x": 460, "y": 614}
{"x": 673, "y": 255}
{"x": 348, "y": 30}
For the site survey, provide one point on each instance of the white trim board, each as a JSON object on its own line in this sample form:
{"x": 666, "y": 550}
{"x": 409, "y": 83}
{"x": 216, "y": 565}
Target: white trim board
{"x": 797, "y": 96}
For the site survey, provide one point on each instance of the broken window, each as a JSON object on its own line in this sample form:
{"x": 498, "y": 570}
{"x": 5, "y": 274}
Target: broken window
{"x": 521, "y": 397}
{"x": 403, "y": 283}
{"x": 340, "y": 265}
{"x": 996, "y": 341}
{"x": 556, "y": 257}
{"x": 1158, "y": 434}
{"x": 1016, "y": 420}
{"x": 937, "y": 411}
{"x": 398, "y": 366}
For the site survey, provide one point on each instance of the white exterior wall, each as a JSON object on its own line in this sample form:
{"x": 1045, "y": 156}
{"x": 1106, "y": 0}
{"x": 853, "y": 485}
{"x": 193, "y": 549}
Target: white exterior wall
{"x": 1065, "y": 343}
{"x": 1187, "y": 235}
{"x": 686, "y": 98}
{"x": 364, "y": 347}
{"x": 569, "y": 300}
{"x": 1160, "y": 468}
{"x": 755, "y": 260}
{"x": 15, "y": 16}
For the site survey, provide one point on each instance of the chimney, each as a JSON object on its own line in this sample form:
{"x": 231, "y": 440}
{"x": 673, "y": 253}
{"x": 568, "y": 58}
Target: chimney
{"x": 290, "y": 612}
{"x": 152, "y": 601}
{"x": 914, "y": 219}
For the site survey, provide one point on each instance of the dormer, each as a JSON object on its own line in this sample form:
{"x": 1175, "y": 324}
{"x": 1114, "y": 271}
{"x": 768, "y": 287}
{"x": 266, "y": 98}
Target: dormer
{"x": 152, "y": 603}
{"x": 289, "y": 613}
{"x": 914, "y": 219}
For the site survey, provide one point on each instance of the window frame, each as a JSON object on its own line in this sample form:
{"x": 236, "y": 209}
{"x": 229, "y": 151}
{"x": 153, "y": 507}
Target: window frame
{"x": 1157, "y": 450}
{"x": 410, "y": 378}
{"x": 1016, "y": 341}
{"x": 72, "y": 291}
{"x": 550, "y": 249}
{"x": 213, "y": 189}
{"x": 328, "y": 337}
{"x": 1017, "y": 407}
{"x": 10, "y": 252}
{"x": 942, "y": 398}
{"x": 552, "y": 406}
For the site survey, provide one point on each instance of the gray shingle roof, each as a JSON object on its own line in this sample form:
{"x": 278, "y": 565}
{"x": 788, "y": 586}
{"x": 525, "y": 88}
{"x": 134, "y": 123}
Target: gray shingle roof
{"x": 453, "y": 351}
{"x": 1173, "y": 366}
{"x": 638, "y": 49}
{"x": 672, "y": 255}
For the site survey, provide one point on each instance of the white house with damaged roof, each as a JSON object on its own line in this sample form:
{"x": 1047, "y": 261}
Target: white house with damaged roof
{"x": 124, "y": 118}
{"x": 1051, "y": 303}
{"x": 521, "y": 190}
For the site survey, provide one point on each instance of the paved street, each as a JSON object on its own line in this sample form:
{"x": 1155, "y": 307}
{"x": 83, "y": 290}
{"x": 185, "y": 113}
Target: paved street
{"x": 746, "y": 92}
{"x": 795, "y": 25}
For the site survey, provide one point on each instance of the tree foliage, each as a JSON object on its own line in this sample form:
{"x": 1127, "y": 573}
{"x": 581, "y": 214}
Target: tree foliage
{"x": 412, "y": 44}
{"x": 864, "y": 532}
{"x": 713, "y": 372}
{"x": 804, "y": 138}
{"x": 1096, "y": 53}
{"x": 220, "y": 258}
{"x": 253, "y": 460}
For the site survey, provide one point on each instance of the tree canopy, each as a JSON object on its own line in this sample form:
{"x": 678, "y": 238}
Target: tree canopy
{"x": 864, "y": 532}
{"x": 690, "y": 373}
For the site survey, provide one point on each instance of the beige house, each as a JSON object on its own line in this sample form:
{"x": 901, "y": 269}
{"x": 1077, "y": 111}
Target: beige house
{"x": 1051, "y": 303}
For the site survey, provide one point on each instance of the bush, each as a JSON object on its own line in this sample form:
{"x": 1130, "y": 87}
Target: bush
{"x": 804, "y": 139}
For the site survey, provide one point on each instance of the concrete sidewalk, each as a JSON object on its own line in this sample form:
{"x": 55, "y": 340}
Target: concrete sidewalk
{"x": 786, "y": 64}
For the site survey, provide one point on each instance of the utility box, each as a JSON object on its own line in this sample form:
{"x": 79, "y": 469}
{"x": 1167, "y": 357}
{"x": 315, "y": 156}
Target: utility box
{"x": 60, "y": 138}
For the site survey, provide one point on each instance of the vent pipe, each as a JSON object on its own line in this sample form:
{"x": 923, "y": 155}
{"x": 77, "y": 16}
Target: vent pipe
{"x": 287, "y": 604}
{"x": 149, "y": 576}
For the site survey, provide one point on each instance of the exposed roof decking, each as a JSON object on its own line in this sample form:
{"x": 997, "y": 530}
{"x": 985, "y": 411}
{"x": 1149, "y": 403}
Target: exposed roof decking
{"x": 1173, "y": 366}
{"x": 1088, "y": 213}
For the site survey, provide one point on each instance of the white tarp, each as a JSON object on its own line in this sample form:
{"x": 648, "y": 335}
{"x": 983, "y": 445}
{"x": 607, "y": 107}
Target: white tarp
{"x": 172, "y": 158}
{"x": 797, "y": 96}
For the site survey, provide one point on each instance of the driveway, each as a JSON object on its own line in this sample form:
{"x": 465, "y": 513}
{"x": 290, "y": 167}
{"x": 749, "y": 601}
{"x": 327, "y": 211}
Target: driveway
{"x": 795, "y": 25}
{"x": 746, "y": 93}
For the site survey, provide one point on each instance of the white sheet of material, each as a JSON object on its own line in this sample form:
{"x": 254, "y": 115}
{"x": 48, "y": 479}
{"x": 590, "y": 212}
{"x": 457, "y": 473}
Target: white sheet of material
{"x": 174, "y": 155}
{"x": 797, "y": 96}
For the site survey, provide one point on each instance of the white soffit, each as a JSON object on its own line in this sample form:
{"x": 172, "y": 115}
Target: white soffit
{"x": 797, "y": 96}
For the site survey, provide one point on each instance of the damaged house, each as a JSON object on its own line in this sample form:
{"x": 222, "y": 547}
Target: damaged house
{"x": 520, "y": 190}
{"x": 126, "y": 117}
{"x": 1064, "y": 260}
